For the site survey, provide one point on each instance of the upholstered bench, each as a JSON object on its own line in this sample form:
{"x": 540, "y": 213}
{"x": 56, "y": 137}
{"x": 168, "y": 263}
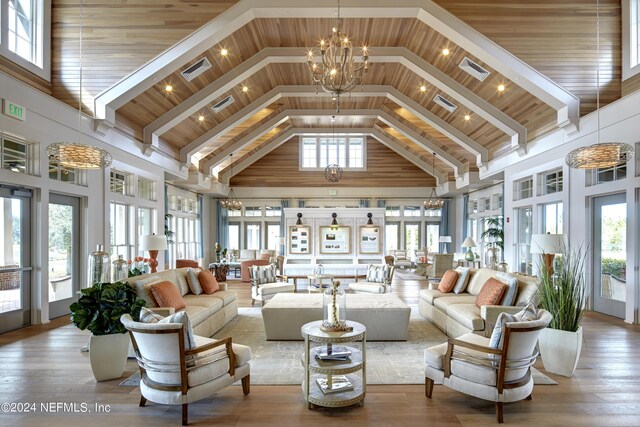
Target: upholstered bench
{"x": 386, "y": 316}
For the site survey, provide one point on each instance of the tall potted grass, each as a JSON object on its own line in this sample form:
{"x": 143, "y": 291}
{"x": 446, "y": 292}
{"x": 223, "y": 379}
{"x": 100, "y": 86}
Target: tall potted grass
{"x": 562, "y": 293}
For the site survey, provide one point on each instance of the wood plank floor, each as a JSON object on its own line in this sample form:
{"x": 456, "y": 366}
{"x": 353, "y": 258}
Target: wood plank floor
{"x": 44, "y": 364}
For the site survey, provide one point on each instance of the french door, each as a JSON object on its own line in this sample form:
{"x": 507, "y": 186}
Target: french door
{"x": 64, "y": 242}
{"x": 610, "y": 254}
{"x": 15, "y": 258}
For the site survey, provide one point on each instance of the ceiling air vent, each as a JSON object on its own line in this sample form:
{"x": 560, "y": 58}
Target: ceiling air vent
{"x": 445, "y": 103}
{"x": 196, "y": 69}
{"x": 223, "y": 104}
{"x": 474, "y": 69}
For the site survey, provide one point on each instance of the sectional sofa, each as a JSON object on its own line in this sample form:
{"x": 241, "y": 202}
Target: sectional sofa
{"x": 208, "y": 313}
{"x": 457, "y": 314}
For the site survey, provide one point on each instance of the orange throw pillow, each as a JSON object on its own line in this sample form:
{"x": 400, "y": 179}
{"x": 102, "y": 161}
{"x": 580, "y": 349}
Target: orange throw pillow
{"x": 208, "y": 282}
{"x": 491, "y": 292}
{"x": 167, "y": 294}
{"x": 448, "y": 281}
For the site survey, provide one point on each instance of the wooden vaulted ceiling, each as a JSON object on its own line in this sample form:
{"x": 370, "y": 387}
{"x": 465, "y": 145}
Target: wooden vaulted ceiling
{"x": 556, "y": 38}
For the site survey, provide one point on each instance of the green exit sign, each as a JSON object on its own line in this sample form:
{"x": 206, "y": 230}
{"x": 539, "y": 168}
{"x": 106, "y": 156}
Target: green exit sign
{"x": 14, "y": 110}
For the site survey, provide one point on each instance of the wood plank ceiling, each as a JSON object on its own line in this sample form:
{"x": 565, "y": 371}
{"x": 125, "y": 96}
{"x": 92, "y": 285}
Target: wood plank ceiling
{"x": 557, "y": 38}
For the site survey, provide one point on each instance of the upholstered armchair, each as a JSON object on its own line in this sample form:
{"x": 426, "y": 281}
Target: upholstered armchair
{"x": 476, "y": 366}
{"x": 401, "y": 260}
{"x": 178, "y": 368}
{"x": 181, "y": 263}
{"x": 265, "y": 283}
{"x": 440, "y": 264}
{"x": 245, "y": 266}
{"x": 378, "y": 280}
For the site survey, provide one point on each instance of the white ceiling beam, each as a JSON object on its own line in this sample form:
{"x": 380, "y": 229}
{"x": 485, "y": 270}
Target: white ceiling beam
{"x": 426, "y": 144}
{"x": 245, "y": 11}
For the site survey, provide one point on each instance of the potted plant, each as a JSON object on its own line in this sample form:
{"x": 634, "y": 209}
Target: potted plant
{"x": 562, "y": 293}
{"x": 495, "y": 236}
{"x": 99, "y": 310}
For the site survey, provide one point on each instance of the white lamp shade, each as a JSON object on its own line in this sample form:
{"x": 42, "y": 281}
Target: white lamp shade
{"x": 547, "y": 243}
{"x": 153, "y": 242}
{"x": 469, "y": 243}
{"x": 445, "y": 239}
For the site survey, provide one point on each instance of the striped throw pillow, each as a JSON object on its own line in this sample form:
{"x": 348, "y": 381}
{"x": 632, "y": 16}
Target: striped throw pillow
{"x": 262, "y": 274}
{"x": 149, "y": 316}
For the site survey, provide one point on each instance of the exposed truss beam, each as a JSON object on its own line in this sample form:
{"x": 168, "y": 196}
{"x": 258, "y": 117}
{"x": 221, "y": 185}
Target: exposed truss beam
{"x": 243, "y": 12}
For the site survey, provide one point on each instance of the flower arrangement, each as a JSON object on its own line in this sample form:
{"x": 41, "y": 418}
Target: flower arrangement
{"x": 138, "y": 266}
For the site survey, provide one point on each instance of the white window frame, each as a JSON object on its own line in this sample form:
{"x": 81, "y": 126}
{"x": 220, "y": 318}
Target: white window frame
{"x": 630, "y": 38}
{"x": 43, "y": 28}
{"x": 619, "y": 172}
{"x": 557, "y": 181}
{"x": 519, "y": 189}
{"x": 318, "y": 138}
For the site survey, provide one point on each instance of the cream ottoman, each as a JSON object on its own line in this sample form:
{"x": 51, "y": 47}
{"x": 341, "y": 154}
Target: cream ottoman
{"x": 386, "y": 316}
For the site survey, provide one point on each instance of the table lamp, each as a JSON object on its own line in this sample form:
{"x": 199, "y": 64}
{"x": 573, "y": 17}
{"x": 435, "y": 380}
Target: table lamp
{"x": 445, "y": 240}
{"x": 280, "y": 241}
{"x": 548, "y": 245}
{"x": 469, "y": 243}
{"x": 153, "y": 244}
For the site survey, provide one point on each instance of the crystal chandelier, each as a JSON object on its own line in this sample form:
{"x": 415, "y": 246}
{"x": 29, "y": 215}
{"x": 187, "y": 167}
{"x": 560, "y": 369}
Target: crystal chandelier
{"x": 337, "y": 72}
{"x": 599, "y": 155}
{"x": 433, "y": 203}
{"x": 78, "y": 155}
{"x": 231, "y": 202}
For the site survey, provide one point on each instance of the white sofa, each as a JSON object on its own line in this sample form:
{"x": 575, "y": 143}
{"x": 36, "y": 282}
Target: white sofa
{"x": 208, "y": 313}
{"x": 457, "y": 314}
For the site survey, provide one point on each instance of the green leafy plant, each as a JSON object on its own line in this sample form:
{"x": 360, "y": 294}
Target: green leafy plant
{"x": 100, "y": 307}
{"x": 562, "y": 292}
{"x": 495, "y": 232}
{"x": 167, "y": 231}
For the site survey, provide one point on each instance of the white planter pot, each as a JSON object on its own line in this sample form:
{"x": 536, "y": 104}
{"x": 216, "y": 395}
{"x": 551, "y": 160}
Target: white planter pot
{"x": 560, "y": 350}
{"x": 108, "y": 355}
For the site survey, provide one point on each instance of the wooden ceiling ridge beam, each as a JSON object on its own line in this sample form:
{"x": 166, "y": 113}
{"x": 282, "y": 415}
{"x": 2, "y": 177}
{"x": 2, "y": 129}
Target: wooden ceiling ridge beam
{"x": 234, "y": 18}
{"x": 241, "y": 164}
{"x": 446, "y": 129}
{"x": 458, "y": 167}
{"x": 389, "y": 142}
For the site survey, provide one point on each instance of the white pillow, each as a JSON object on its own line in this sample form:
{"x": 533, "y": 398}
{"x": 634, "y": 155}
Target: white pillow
{"x": 181, "y": 317}
{"x": 497, "y": 336}
{"x": 192, "y": 280}
{"x": 149, "y": 316}
{"x": 143, "y": 290}
{"x": 463, "y": 279}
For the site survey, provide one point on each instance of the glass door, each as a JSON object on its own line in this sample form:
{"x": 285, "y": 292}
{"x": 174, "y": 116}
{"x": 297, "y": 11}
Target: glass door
{"x": 64, "y": 237}
{"x": 412, "y": 239}
{"x": 610, "y": 254}
{"x": 15, "y": 259}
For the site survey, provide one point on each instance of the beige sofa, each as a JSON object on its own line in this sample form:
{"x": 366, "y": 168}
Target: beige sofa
{"x": 457, "y": 314}
{"x": 208, "y": 313}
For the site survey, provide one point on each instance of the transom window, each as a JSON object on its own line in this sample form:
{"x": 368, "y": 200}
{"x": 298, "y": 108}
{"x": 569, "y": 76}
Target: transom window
{"x": 392, "y": 211}
{"x": 253, "y": 211}
{"x": 600, "y": 175}
{"x": 119, "y": 182}
{"x": 412, "y": 211}
{"x": 319, "y": 152}
{"x": 25, "y": 29}
{"x": 272, "y": 211}
{"x": 523, "y": 189}
{"x": 147, "y": 189}
{"x": 13, "y": 155}
{"x": 551, "y": 182}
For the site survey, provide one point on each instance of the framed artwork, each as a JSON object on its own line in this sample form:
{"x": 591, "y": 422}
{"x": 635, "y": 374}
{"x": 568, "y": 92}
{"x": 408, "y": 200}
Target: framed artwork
{"x": 299, "y": 239}
{"x": 335, "y": 240}
{"x": 369, "y": 240}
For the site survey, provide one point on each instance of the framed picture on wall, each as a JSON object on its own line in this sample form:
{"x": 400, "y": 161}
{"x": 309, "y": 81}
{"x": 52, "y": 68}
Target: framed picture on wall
{"x": 369, "y": 240}
{"x": 335, "y": 240}
{"x": 299, "y": 239}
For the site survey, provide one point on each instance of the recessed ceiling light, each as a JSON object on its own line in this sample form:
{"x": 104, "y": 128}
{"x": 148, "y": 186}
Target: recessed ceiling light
{"x": 245, "y": 89}
{"x": 224, "y": 52}
{"x": 201, "y": 118}
{"x": 467, "y": 117}
{"x": 501, "y": 88}
{"x": 445, "y": 51}
{"x": 423, "y": 88}
{"x": 168, "y": 88}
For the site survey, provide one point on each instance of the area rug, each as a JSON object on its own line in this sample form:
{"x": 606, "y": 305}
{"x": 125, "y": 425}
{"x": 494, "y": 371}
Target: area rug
{"x": 278, "y": 362}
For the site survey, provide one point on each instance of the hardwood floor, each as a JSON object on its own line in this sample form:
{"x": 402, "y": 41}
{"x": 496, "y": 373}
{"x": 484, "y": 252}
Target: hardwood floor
{"x": 43, "y": 364}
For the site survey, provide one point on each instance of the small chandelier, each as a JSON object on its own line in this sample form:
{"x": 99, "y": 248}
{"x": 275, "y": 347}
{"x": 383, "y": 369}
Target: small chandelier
{"x": 433, "y": 203}
{"x": 333, "y": 173}
{"x": 231, "y": 202}
{"x": 337, "y": 72}
{"x": 599, "y": 155}
{"x": 79, "y": 155}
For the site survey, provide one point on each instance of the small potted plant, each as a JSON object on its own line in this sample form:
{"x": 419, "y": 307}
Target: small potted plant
{"x": 562, "y": 293}
{"x": 99, "y": 310}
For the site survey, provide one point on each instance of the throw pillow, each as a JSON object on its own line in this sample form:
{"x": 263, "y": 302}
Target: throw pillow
{"x": 167, "y": 294}
{"x": 463, "y": 279}
{"x": 527, "y": 314}
{"x": 143, "y": 289}
{"x": 208, "y": 282}
{"x": 182, "y": 318}
{"x": 491, "y": 292}
{"x": 149, "y": 316}
{"x": 192, "y": 280}
{"x": 448, "y": 281}
{"x": 509, "y": 296}
{"x": 375, "y": 273}
{"x": 261, "y": 274}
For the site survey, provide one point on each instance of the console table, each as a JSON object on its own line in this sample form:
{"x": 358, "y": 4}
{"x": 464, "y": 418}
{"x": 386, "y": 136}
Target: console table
{"x": 315, "y": 368}
{"x": 221, "y": 269}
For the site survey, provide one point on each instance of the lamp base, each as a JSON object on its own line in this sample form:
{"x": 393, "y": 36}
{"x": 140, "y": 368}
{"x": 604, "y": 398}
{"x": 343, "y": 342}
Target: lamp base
{"x": 470, "y": 256}
{"x": 153, "y": 262}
